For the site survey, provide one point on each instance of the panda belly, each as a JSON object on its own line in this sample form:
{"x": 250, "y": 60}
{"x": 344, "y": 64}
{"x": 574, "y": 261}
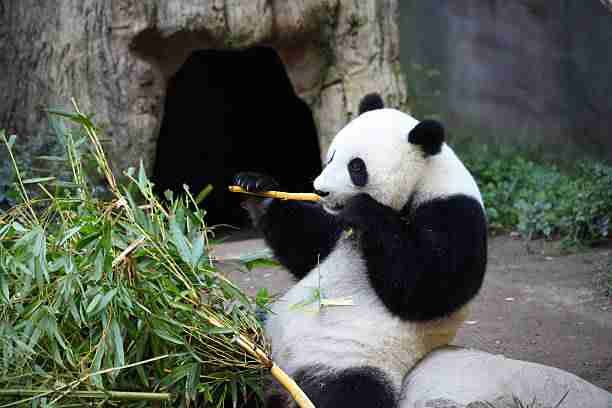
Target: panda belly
{"x": 302, "y": 334}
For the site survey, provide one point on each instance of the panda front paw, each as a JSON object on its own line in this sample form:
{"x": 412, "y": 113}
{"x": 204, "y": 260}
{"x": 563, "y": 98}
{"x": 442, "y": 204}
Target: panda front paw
{"x": 255, "y": 182}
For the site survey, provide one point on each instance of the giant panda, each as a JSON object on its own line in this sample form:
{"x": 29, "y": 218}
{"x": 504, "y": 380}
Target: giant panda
{"x": 400, "y": 231}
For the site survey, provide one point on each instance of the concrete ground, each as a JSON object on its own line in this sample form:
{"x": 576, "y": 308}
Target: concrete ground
{"x": 535, "y": 305}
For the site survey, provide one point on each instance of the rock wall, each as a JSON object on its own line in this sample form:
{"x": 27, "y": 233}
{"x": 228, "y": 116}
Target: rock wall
{"x": 115, "y": 58}
{"x": 518, "y": 72}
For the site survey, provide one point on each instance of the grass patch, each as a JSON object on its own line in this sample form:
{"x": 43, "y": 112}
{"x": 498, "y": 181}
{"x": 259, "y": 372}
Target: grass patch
{"x": 540, "y": 200}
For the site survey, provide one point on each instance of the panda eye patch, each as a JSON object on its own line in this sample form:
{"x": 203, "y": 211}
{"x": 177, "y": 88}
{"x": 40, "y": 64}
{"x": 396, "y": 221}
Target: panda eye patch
{"x": 358, "y": 172}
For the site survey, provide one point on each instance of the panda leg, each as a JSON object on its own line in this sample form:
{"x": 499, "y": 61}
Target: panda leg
{"x": 354, "y": 387}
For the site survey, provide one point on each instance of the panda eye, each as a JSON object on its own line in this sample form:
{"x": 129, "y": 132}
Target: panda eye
{"x": 358, "y": 172}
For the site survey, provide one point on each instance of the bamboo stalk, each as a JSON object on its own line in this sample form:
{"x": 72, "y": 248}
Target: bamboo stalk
{"x": 127, "y": 251}
{"x": 113, "y": 395}
{"x": 278, "y": 194}
{"x": 287, "y": 382}
{"x": 279, "y": 375}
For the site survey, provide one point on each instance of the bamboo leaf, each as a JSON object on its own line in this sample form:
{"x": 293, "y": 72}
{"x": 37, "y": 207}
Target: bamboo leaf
{"x": 104, "y": 301}
{"x": 4, "y": 286}
{"x": 88, "y": 239}
{"x": 117, "y": 340}
{"x": 261, "y": 263}
{"x": 67, "y": 312}
{"x": 163, "y": 334}
{"x": 197, "y": 250}
{"x": 180, "y": 241}
{"x": 142, "y": 177}
{"x": 98, "y": 266}
{"x": 93, "y": 304}
{"x": 203, "y": 194}
{"x": 97, "y": 363}
{"x": 69, "y": 234}
{"x": 38, "y": 180}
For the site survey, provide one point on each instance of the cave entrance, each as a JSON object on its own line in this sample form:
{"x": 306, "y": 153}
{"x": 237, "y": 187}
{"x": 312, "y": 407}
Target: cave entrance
{"x": 228, "y": 111}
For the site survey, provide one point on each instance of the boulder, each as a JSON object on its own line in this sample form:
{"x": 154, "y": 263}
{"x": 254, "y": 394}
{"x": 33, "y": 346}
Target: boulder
{"x": 453, "y": 377}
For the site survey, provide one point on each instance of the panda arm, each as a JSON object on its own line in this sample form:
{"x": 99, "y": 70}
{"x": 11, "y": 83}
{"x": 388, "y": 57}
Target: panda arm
{"x": 428, "y": 267}
{"x": 301, "y": 234}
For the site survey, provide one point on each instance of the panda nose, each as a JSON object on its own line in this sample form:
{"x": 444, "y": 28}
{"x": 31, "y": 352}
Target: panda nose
{"x": 321, "y": 193}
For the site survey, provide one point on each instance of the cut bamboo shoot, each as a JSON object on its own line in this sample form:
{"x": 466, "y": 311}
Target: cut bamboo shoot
{"x": 278, "y": 194}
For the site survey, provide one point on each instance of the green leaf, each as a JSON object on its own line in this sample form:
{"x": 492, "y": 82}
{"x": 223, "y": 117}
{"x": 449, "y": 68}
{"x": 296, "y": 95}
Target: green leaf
{"x": 4, "y": 287}
{"x": 203, "y": 194}
{"x": 97, "y": 363}
{"x": 94, "y": 302}
{"x": 52, "y": 158}
{"x": 88, "y": 239}
{"x": 69, "y": 234}
{"x": 197, "y": 250}
{"x": 261, "y": 263}
{"x": 117, "y": 341}
{"x": 98, "y": 266}
{"x": 163, "y": 334}
{"x": 38, "y": 180}
{"x": 72, "y": 116}
{"x": 193, "y": 379}
{"x": 180, "y": 241}
{"x": 103, "y": 302}
{"x": 254, "y": 386}
{"x": 142, "y": 177}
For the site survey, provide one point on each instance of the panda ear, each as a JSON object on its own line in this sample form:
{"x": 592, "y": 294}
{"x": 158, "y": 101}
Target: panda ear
{"x": 370, "y": 102}
{"x": 429, "y": 135}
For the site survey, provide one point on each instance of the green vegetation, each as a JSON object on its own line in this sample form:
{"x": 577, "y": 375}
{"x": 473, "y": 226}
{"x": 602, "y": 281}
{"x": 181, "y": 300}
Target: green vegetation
{"x": 541, "y": 200}
{"x": 112, "y": 295}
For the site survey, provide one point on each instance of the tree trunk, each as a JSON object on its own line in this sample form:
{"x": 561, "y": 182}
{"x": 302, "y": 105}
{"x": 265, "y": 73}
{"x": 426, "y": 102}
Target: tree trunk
{"x": 116, "y": 57}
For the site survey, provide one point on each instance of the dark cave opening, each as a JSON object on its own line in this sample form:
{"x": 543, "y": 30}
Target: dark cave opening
{"x": 228, "y": 111}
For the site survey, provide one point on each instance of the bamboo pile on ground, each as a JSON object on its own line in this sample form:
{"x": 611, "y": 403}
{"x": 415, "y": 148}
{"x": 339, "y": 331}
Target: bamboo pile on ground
{"x": 114, "y": 296}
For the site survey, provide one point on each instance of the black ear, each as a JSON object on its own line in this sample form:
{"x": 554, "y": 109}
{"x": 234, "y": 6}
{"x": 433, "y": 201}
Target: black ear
{"x": 370, "y": 102}
{"x": 429, "y": 134}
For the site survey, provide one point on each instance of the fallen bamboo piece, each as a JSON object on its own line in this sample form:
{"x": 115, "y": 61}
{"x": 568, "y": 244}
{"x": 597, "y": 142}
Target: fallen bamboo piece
{"x": 112, "y": 395}
{"x": 281, "y": 195}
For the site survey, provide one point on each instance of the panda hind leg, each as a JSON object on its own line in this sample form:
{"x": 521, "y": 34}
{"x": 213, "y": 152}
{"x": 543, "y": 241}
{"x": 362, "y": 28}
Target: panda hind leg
{"x": 354, "y": 387}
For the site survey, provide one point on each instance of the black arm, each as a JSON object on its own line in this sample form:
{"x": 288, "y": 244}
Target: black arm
{"x": 301, "y": 234}
{"x": 429, "y": 265}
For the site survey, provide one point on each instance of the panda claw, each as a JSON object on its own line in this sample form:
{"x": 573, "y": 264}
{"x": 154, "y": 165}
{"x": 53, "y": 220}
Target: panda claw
{"x": 254, "y": 182}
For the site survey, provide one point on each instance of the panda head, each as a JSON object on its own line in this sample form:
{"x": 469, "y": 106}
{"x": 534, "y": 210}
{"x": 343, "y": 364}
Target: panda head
{"x": 382, "y": 152}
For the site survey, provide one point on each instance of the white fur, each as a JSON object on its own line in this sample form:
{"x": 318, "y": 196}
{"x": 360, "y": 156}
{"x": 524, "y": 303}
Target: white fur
{"x": 365, "y": 333}
{"x": 445, "y": 175}
{"x": 340, "y": 337}
{"x": 379, "y": 137}
{"x": 396, "y": 168}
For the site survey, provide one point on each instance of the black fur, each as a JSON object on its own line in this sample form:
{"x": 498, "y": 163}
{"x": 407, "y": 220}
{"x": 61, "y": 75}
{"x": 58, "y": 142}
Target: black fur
{"x": 301, "y": 234}
{"x": 370, "y": 102}
{"x": 358, "y": 171}
{"x": 429, "y": 134}
{"x": 429, "y": 265}
{"x": 423, "y": 263}
{"x": 357, "y": 387}
{"x": 255, "y": 182}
